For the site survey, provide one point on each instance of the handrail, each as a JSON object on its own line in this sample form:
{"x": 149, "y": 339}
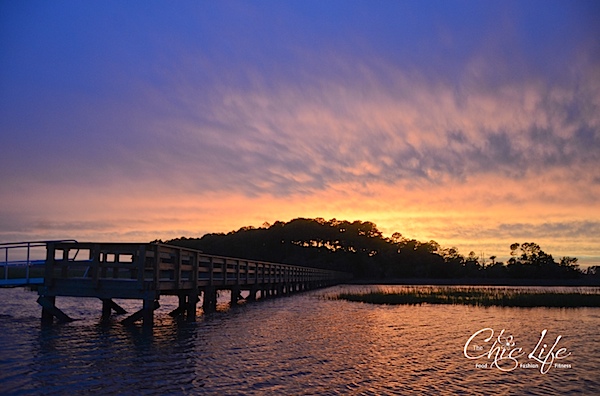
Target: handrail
{"x": 25, "y": 260}
{"x": 37, "y": 243}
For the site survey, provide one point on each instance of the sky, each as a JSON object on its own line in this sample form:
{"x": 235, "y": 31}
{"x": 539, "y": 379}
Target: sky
{"x": 472, "y": 123}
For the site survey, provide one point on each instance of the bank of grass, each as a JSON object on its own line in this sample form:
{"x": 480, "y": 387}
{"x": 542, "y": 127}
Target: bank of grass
{"x": 476, "y": 296}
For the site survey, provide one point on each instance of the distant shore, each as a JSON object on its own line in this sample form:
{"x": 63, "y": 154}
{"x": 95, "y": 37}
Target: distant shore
{"x": 477, "y": 282}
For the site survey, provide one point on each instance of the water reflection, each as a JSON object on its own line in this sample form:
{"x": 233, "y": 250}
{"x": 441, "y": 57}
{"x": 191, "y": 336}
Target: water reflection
{"x": 304, "y": 344}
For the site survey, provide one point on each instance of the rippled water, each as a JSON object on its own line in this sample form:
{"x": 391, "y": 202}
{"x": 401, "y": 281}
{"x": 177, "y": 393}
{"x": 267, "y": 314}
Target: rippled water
{"x": 299, "y": 345}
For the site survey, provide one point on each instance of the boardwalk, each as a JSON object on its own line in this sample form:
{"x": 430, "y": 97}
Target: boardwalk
{"x": 145, "y": 271}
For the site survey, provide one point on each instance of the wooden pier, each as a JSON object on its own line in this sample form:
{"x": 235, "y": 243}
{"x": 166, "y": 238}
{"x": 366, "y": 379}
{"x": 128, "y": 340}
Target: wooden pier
{"x": 145, "y": 271}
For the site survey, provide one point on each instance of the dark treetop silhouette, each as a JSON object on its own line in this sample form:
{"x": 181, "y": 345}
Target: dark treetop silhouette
{"x": 360, "y": 248}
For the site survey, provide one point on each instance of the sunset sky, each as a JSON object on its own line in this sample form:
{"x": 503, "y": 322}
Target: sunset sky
{"x": 472, "y": 123}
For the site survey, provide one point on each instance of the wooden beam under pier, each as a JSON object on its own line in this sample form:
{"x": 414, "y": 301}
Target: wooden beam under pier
{"x": 50, "y": 311}
{"x": 108, "y": 305}
{"x": 146, "y": 314}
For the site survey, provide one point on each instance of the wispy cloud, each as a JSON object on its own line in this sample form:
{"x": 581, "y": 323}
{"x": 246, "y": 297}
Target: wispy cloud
{"x": 292, "y": 139}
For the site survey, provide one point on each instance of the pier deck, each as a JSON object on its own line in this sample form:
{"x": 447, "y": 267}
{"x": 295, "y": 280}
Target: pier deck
{"x": 145, "y": 271}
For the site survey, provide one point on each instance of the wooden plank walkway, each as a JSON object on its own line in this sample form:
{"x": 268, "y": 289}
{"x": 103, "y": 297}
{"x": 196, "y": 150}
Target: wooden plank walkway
{"x": 145, "y": 271}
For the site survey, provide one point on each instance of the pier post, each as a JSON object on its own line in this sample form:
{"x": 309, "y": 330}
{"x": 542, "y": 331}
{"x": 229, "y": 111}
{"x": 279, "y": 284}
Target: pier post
{"x": 108, "y": 305}
{"x": 187, "y": 305}
{"x": 192, "y": 300}
{"x": 47, "y": 317}
{"x": 181, "y": 306}
{"x": 148, "y": 312}
{"x": 235, "y": 295}
{"x": 252, "y": 293}
{"x": 183, "y": 301}
{"x": 209, "y": 300}
{"x": 106, "y": 309}
{"x": 49, "y": 310}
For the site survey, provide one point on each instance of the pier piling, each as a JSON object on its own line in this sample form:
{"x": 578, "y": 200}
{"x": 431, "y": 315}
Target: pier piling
{"x": 50, "y": 311}
{"x": 209, "y": 300}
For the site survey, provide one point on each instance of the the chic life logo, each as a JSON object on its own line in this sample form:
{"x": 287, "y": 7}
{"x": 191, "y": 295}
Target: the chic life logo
{"x": 498, "y": 350}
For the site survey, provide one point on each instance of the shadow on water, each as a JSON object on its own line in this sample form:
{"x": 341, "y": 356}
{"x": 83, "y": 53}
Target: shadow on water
{"x": 107, "y": 357}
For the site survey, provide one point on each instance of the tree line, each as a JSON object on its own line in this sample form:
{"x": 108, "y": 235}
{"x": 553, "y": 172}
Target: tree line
{"x": 360, "y": 248}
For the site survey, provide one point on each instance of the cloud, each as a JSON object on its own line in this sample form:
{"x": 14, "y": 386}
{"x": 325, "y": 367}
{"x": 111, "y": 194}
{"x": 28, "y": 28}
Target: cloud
{"x": 282, "y": 140}
{"x": 289, "y": 117}
{"x": 556, "y": 231}
{"x": 290, "y": 139}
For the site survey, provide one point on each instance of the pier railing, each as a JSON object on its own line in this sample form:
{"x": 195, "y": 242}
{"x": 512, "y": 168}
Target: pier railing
{"x": 22, "y": 263}
{"x": 148, "y": 270}
{"x": 132, "y": 270}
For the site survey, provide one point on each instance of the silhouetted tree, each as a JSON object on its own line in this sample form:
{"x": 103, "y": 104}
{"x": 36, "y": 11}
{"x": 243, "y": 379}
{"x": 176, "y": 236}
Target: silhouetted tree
{"x": 360, "y": 248}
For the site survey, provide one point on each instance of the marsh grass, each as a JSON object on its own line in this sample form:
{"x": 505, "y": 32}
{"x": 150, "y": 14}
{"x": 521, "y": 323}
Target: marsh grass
{"x": 479, "y": 296}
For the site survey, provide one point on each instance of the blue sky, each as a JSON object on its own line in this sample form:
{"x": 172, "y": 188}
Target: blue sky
{"x": 472, "y": 123}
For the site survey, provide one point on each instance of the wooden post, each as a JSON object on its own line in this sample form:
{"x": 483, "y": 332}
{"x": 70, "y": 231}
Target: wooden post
{"x": 49, "y": 310}
{"x": 148, "y": 314}
{"x": 176, "y": 258}
{"x": 252, "y": 293}
{"x": 187, "y": 305}
{"x": 193, "y": 294}
{"x": 235, "y": 292}
{"x": 108, "y": 305}
{"x": 209, "y": 300}
{"x": 181, "y": 307}
{"x": 192, "y": 300}
{"x": 106, "y": 309}
{"x": 47, "y": 317}
{"x": 211, "y": 274}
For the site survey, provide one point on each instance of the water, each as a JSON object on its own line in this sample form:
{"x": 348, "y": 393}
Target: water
{"x": 299, "y": 345}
